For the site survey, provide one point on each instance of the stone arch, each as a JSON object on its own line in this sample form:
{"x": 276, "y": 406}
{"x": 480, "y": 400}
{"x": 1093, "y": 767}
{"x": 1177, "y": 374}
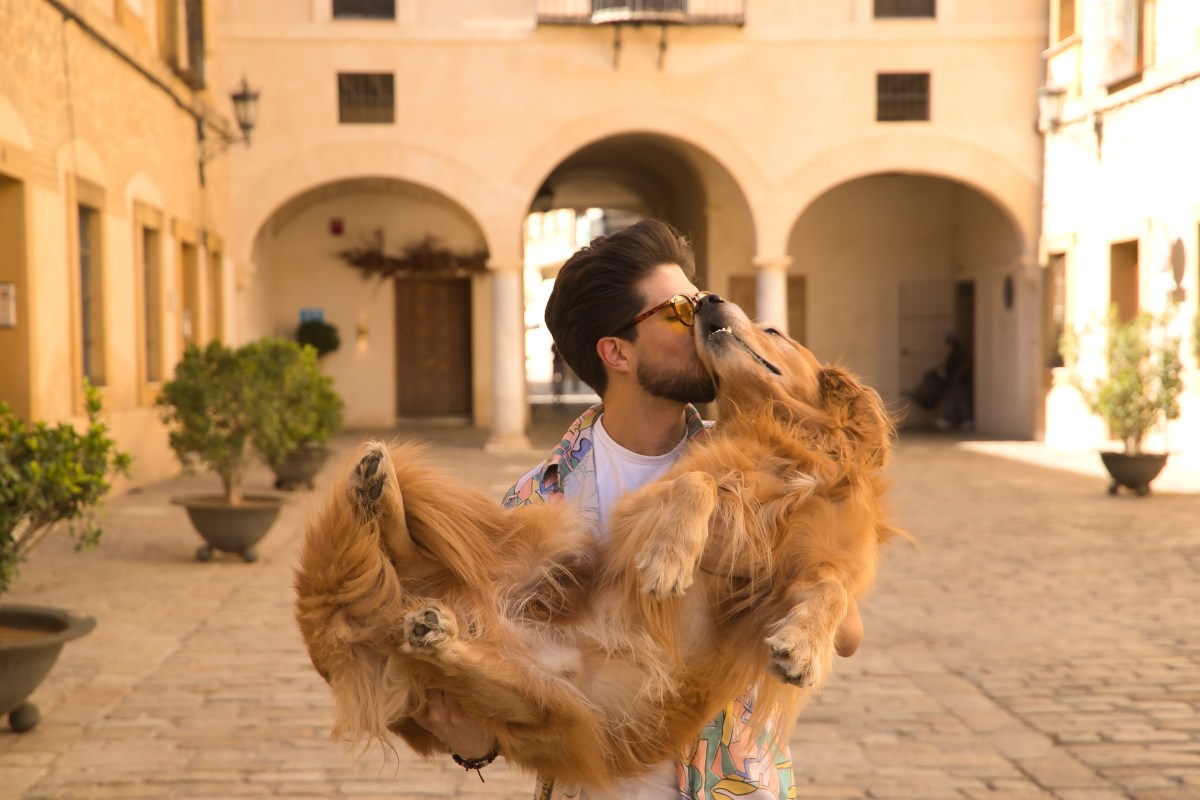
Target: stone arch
{"x": 295, "y": 174}
{"x": 690, "y": 130}
{"x": 1014, "y": 192}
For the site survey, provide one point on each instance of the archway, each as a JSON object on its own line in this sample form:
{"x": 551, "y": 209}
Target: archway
{"x": 891, "y": 263}
{"x": 409, "y": 327}
{"x": 608, "y": 184}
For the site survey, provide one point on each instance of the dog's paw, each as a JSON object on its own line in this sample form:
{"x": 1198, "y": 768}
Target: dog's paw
{"x": 428, "y": 630}
{"x": 798, "y": 656}
{"x": 369, "y": 477}
{"x": 664, "y": 572}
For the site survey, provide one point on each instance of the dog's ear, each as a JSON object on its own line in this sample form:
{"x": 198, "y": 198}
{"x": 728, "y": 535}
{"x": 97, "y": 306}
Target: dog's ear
{"x": 859, "y": 413}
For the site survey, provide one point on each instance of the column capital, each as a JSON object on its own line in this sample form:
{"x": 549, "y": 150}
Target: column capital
{"x": 772, "y": 263}
{"x": 502, "y": 266}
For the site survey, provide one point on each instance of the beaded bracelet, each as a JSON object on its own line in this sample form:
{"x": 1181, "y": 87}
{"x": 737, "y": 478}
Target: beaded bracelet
{"x": 476, "y": 764}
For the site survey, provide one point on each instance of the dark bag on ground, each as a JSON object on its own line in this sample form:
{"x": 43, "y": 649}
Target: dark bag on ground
{"x": 929, "y": 389}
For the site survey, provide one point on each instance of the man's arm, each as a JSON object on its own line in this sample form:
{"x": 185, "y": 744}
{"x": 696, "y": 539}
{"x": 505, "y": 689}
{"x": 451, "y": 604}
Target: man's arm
{"x": 850, "y": 632}
{"x": 464, "y": 736}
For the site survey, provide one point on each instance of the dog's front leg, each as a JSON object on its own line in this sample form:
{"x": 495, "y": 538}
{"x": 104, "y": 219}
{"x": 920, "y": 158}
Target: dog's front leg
{"x": 668, "y": 528}
{"x": 802, "y": 644}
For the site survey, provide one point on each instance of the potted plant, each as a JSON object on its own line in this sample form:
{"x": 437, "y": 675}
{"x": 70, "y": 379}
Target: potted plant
{"x": 219, "y": 403}
{"x": 49, "y": 474}
{"x": 1139, "y": 391}
{"x": 319, "y": 334}
{"x": 310, "y": 413}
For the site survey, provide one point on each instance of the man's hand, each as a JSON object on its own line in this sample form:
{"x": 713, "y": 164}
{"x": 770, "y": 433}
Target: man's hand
{"x": 445, "y": 719}
{"x": 849, "y": 633}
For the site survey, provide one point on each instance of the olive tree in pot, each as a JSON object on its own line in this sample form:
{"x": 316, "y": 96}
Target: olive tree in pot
{"x": 1138, "y": 392}
{"x": 50, "y": 476}
{"x": 311, "y": 413}
{"x": 220, "y": 404}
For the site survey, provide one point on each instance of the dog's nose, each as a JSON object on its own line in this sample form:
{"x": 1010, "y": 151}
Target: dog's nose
{"x": 712, "y": 298}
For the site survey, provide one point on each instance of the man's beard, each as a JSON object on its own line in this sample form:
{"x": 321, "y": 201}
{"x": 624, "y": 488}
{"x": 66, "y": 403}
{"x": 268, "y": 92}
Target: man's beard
{"x": 688, "y": 384}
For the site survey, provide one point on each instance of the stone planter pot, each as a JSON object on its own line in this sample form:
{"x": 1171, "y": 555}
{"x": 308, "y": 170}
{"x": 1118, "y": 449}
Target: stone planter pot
{"x": 300, "y": 467}
{"x": 1133, "y": 471}
{"x": 231, "y": 529}
{"x": 30, "y": 640}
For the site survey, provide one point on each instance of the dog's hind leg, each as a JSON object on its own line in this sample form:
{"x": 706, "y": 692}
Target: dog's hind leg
{"x": 665, "y": 526}
{"x": 802, "y": 646}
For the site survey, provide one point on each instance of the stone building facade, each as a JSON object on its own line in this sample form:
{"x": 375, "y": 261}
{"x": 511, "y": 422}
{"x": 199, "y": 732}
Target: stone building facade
{"x": 1121, "y": 218}
{"x": 865, "y": 173}
{"x": 112, "y": 252}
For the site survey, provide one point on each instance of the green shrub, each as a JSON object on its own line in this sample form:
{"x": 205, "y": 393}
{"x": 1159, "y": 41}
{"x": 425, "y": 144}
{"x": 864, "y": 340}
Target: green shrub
{"x": 1144, "y": 379}
{"x": 320, "y": 335}
{"x": 51, "y": 474}
{"x": 225, "y": 404}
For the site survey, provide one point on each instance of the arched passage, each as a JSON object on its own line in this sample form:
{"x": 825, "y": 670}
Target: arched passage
{"x": 892, "y": 262}
{"x": 410, "y": 343}
{"x": 611, "y": 182}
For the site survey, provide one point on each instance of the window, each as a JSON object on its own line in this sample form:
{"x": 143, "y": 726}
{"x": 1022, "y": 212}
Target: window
{"x": 1129, "y": 34}
{"x": 902, "y": 96}
{"x": 1054, "y": 290}
{"x": 216, "y": 294}
{"x": 190, "y": 282}
{"x": 364, "y": 9}
{"x": 366, "y": 97}
{"x": 1064, "y": 19}
{"x": 1123, "y": 279}
{"x": 904, "y": 8}
{"x": 152, "y": 299}
{"x": 91, "y": 296}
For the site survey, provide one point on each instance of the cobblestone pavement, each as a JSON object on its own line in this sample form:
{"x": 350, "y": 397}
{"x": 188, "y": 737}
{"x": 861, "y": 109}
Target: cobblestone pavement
{"x": 1042, "y": 641}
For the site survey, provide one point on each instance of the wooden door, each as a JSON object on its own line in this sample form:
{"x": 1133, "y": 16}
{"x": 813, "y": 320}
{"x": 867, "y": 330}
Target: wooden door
{"x": 433, "y": 347}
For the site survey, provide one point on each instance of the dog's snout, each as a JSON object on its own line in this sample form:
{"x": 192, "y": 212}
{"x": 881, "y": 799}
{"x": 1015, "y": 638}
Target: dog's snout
{"x": 712, "y": 298}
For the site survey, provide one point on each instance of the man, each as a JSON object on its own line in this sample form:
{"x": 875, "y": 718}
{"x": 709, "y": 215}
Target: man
{"x": 621, "y": 314}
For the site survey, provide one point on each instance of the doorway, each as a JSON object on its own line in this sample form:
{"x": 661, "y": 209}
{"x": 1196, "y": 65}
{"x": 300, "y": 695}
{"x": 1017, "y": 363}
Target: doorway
{"x": 433, "y": 347}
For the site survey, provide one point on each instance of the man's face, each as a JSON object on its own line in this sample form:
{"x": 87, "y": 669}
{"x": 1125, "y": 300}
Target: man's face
{"x": 667, "y": 364}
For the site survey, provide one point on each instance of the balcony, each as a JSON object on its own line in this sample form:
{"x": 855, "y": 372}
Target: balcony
{"x": 655, "y": 12}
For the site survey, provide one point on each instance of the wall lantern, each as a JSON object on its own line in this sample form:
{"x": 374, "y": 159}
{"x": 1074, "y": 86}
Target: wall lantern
{"x": 245, "y": 110}
{"x": 1051, "y": 102}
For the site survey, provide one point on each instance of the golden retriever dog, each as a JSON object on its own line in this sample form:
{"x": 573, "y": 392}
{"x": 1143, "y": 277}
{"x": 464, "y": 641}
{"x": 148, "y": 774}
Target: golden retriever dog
{"x": 592, "y": 661}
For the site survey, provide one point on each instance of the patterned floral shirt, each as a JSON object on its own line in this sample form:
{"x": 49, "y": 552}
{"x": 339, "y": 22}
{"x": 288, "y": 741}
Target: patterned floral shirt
{"x": 726, "y": 761}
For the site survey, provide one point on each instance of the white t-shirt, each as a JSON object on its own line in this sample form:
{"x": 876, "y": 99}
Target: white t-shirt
{"x": 619, "y": 471}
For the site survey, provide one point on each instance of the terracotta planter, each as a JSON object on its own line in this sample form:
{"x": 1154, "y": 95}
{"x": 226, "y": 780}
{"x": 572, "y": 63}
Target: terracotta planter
{"x": 300, "y": 467}
{"x": 1133, "y": 471}
{"x": 30, "y": 641}
{"x": 231, "y": 529}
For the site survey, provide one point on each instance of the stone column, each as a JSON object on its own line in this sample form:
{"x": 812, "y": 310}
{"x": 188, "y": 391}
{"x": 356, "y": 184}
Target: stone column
{"x": 509, "y": 404}
{"x": 771, "y": 290}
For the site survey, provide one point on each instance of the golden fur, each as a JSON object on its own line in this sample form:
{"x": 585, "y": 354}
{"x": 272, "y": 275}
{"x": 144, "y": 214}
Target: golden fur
{"x": 733, "y": 570}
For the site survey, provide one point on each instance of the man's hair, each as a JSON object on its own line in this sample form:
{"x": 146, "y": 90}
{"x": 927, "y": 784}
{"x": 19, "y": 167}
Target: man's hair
{"x": 596, "y": 295}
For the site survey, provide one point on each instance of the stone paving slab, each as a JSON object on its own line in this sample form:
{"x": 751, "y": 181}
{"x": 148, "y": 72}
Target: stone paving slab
{"x": 1040, "y": 641}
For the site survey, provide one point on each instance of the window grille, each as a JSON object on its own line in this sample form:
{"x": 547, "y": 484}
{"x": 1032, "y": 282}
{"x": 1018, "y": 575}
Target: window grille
{"x": 902, "y": 97}
{"x": 364, "y": 9}
{"x": 366, "y": 97}
{"x": 905, "y": 8}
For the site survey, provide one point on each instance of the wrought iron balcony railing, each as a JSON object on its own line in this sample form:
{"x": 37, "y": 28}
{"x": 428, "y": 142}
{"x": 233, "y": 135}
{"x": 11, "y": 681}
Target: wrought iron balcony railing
{"x": 656, "y": 12}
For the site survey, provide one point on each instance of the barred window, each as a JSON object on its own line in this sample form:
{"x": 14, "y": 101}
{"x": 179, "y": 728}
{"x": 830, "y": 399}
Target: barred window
{"x": 366, "y": 97}
{"x": 905, "y": 8}
{"x": 901, "y": 96}
{"x": 364, "y": 9}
